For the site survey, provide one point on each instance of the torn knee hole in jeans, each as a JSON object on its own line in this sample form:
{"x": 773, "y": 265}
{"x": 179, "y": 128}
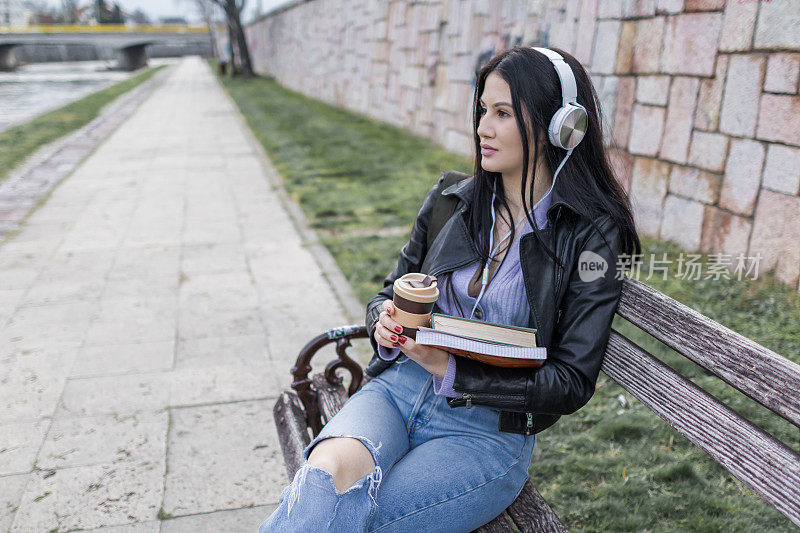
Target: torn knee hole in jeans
{"x": 375, "y": 477}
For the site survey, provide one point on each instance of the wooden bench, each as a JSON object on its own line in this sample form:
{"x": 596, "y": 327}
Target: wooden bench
{"x": 765, "y": 464}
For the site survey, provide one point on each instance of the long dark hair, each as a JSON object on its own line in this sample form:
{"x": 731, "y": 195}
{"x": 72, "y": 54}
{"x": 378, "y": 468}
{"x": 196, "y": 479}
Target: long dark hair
{"x": 586, "y": 181}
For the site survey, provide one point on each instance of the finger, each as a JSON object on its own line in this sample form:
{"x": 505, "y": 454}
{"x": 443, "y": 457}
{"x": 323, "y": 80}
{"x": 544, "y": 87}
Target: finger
{"x": 406, "y": 342}
{"x": 387, "y": 338}
{"x": 380, "y": 340}
{"x": 388, "y": 307}
{"x": 390, "y": 324}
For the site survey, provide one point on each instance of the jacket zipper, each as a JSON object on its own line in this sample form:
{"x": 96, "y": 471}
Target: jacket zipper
{"x": 469, "y": 396}
{"x": 528, "y": 425}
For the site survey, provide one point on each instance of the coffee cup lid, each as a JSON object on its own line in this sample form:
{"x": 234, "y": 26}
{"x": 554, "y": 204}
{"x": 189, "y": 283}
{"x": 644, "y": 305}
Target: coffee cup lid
{"x": 424, "y": 282}
{"x": 418, "y": 287}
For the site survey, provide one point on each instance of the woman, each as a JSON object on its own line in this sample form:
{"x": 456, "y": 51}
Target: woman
{"x": 522, "y": 248}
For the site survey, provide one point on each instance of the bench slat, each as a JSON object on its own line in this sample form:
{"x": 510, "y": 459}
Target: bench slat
{"x": 330, "y": 398}
{"x": 290, "y": 420}
{"x": 531, "y": 512}
{"x": 762, "y": 462}
{"x": 498, "y": 525}
{"x": 737, "y": 360}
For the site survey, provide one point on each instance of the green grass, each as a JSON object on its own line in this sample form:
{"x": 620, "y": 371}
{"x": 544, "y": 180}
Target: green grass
{"x": 607, "y": 467}
{"x": 19, "y": 142}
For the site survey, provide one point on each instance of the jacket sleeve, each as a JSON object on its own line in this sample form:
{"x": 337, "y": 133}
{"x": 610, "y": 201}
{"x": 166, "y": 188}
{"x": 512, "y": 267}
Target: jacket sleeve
{"x": 410, "y": 259}
{"x": 566, "y": 381}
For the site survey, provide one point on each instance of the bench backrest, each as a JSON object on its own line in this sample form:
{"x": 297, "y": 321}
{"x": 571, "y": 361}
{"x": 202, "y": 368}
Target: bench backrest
{"x": 765, "y": 464}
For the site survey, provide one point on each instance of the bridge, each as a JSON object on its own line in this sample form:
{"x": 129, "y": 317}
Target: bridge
{"x": 129, "y": 45}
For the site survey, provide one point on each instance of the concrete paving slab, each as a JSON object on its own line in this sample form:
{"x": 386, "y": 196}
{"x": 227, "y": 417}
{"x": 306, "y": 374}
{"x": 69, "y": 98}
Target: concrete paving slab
{"x": 228, "y": 323}
{"x": 63, "y": 291}
{"x": 18, "y": 278}
{"x": 78, "y": 265}
{"x": 28, "y": 395}
{"x": 143, "y": 287}
{"x": 116, "y": 359}
{"x": 11, "y": 491}
{"x": 107, "y": 439}
{"x": 146, "y": 260}
{"x": 239, "y": 452}
{"x": 213, "y": 259}
{"x": 19, "y": 445}
{"x": 223, "y": 383}
{"x": 88, "y": 497}
{"x": 210, "y": 351}
{"x": 225, "y": 291}
{"x": 56, "y": 323}
{"x": 114, "y": 395}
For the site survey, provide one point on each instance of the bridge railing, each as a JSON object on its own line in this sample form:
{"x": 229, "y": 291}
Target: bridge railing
{"x": 104, "y": 28}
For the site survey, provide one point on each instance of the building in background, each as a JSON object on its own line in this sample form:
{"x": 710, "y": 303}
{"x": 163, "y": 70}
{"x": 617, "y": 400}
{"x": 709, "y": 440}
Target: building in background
{"x": 14, "y": 13}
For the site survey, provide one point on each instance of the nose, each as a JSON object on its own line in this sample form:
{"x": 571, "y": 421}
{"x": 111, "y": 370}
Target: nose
{"x": 484, "y": 129}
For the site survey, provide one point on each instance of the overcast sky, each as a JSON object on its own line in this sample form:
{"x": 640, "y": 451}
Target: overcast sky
{"x": 156, "y": 9}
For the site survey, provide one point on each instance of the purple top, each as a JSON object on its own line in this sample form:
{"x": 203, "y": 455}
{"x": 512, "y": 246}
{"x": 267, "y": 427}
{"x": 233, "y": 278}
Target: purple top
{"x": 504, "y": 300}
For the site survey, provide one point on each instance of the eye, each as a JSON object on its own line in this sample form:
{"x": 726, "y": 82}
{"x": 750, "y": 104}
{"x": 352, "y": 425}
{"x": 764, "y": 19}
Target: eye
{"x": 482, "y": 110}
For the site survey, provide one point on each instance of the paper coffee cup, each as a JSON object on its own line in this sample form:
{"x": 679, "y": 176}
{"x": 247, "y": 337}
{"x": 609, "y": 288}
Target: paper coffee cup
{"x": 414, "y": 296}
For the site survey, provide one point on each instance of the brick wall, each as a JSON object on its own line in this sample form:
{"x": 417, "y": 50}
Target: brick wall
{"x": 700, "y": 97}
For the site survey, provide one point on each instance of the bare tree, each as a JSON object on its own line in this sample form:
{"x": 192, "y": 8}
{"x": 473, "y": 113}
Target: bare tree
{"x": 206, "y": 10}
{"x": 70, "y": 9}
{"x": 241, "y": 63}
{"x": 233, "y": 11}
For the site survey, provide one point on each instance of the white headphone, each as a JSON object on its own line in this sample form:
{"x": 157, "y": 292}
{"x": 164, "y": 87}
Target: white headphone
{"x": 566, "y": 130}
{"x": 568, "y": 125}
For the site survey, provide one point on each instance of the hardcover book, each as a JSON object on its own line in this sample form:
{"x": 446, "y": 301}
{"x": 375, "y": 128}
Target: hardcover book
{"x": 494, "y": 344}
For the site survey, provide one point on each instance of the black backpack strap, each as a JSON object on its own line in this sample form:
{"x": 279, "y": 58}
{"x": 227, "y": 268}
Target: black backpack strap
{"x": 445, "y": 206}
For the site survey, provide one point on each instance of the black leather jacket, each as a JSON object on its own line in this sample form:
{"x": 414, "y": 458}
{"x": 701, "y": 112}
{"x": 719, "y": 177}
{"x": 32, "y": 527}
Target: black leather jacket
{"x": 572, "y": 316}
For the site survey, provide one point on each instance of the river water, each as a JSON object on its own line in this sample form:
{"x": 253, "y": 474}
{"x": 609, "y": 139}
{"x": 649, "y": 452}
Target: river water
{"x": 36, "y": 88}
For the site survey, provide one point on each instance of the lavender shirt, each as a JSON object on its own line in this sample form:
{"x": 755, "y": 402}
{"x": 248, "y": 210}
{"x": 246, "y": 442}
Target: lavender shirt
{"x": 503, "y": 302}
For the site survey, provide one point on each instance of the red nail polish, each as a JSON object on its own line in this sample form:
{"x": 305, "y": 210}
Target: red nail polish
{"x": 402, "y": 340}
{"x": 394, "y": 344}
{"x": 393, "y": 337}
{"x": 398, "y": 329}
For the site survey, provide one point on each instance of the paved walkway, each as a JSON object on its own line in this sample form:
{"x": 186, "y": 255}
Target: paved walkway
{"x": 149, "y": 313}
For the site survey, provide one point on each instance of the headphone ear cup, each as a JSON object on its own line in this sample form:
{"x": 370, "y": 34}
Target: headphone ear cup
{"x": 568, "y": 126}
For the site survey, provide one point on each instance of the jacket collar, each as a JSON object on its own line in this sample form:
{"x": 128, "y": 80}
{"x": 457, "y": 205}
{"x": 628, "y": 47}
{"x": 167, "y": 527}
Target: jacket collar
{"x": 463, "y": 190}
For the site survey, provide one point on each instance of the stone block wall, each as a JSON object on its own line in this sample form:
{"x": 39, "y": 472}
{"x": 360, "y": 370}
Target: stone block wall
{"x": 699, "y": 97}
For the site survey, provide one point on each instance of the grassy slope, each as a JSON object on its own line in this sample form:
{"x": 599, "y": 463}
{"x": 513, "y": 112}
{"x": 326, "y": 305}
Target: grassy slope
{"x": 19, "y": 142}
{"x": 605, "y": 468}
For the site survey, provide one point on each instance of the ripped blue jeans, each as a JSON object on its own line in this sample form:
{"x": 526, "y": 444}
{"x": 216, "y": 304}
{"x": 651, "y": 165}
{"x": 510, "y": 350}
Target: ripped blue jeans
{"x": 437, "y": 468}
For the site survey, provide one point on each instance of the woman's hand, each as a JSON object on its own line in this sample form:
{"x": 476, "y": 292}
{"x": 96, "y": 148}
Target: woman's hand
{"x": 387, "y": 333}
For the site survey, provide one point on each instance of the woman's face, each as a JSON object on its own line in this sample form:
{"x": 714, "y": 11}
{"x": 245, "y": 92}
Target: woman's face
{"x": 498, "y": 129}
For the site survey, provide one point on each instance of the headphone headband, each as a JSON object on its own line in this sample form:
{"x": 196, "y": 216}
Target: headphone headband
{"x": 569, "y": 90}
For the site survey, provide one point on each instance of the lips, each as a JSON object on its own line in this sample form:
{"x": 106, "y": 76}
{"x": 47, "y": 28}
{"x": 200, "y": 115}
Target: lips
{"x": 487, "y": 150}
